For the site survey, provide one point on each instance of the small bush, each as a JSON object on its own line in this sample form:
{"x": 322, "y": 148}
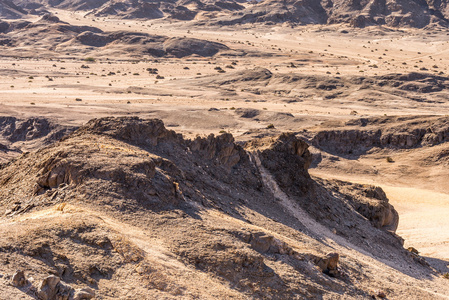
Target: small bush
{"x": 389, "y": 159}
{"x": 270, "y": 126}
{"x": 89, "y": 59}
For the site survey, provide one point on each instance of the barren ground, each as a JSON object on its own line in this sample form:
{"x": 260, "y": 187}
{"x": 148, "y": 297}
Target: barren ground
{"x": 194, "y": 99}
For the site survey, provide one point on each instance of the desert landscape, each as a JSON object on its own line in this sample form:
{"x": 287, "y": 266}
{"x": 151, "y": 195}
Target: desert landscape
{"x": 221, "y": 149}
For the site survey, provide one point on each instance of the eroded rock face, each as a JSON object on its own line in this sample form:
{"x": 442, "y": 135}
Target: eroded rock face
{"x": 370, "y": 201}
{"x": 137, "y": 198}
{"x": 14, "y": 129}
{"x": 142, "y": 160}
{"x": 221, "y": 148}
{"x": 287, "y": 159}
{"x": 411, "y": 133}
{"x": 356, "y": 13}
{"x": 133, "y": 130}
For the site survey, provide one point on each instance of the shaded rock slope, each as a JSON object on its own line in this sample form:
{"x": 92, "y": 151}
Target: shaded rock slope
{"x": 357, "y": 13}
{"x": 129, "y": 209}
{"x": 22, "y": 135}
{"x": 11, "y": 11}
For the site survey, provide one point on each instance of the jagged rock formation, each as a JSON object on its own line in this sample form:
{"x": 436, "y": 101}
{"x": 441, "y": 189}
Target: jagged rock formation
{"x": 21, "y": 135}
{"x": 357, "y": 13}
{"x": 123, "y": 196}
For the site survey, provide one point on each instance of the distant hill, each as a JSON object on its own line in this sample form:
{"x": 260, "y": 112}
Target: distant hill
{"x": 9, "y": 10}
{"x": 357, "y": 13}
{"x": 63, "y": 4}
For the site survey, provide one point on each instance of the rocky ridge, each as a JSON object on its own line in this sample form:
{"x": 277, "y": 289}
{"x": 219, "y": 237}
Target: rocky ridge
{"x": 245, "y": 215}
{"x": 359, "y": 13}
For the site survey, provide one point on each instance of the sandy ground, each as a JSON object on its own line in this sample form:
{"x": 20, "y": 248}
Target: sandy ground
{"x": 60, "y": 89}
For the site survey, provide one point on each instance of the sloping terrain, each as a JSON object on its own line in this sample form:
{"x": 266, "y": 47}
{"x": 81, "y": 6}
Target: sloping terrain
{"x": 141, "y": 9}
{"x": 51, "y": 35}
{"x": 390, "y": 90}
{"x": 9, "y": 10}
{"x": 358, "y": 13}
{"x": 128, "y": 208}
{"x": 21, "y": 135}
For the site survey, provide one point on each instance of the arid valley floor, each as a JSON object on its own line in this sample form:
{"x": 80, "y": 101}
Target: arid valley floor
{"x": 164, "y": 159}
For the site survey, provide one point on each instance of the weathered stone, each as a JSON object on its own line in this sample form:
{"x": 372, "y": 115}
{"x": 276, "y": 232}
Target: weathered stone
{"x": 84, "y": 293}
{"x": 328, "y": 264}
{"x": 18, "y": 279}
{"x": 52, "y": 288}
{"x": 47, "y": 289}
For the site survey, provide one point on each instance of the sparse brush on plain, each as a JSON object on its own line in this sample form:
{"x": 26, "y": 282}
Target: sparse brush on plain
{"x": 390, "y": 159}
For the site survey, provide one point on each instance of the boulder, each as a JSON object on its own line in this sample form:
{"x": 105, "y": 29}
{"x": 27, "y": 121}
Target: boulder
{"x": 18, "y": 279}
{"x": 328, "y": 264}
{"x": 53, "y": 288}
{"x": 84, "y": 293}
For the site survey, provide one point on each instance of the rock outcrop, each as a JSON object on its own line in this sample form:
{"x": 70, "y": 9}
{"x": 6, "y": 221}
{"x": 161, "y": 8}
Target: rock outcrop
{"x": 355, "y": 13}
{"x": 411, "y": 132}
{"x": 122, "y": 196}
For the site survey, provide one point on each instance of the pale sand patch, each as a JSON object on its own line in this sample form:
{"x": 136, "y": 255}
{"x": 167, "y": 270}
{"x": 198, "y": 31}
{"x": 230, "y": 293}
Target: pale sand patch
{"x": 423, "y": 219}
